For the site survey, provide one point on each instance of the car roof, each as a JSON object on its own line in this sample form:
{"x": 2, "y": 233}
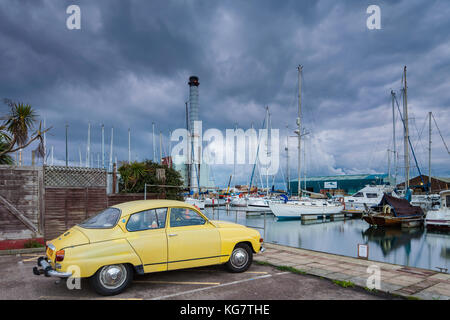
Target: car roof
{"x": 141, "y": 205}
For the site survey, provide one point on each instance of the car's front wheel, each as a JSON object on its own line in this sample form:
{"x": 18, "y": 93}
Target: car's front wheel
{"x": 112, "y": 279}
{"x": 240, "y": 259}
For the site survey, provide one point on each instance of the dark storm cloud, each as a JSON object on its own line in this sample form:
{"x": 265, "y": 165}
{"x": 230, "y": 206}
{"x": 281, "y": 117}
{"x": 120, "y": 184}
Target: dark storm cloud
{"x": 128, "y": 66}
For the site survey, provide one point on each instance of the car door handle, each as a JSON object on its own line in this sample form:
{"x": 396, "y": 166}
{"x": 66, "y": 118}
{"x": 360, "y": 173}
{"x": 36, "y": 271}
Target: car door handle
{"x": 172, "y": 234}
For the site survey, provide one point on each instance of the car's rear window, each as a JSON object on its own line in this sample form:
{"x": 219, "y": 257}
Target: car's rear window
{"x": 104, "y": 220}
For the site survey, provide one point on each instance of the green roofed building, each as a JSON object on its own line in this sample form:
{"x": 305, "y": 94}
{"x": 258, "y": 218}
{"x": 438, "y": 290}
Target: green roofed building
{"x": 347, "y": 184}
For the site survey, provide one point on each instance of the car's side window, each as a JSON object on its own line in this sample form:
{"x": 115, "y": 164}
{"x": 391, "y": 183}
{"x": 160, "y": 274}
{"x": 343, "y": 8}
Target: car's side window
{"x": 180, "y": 217}
{"x": 146, "y": 220}
{"x": 161, "y": 214}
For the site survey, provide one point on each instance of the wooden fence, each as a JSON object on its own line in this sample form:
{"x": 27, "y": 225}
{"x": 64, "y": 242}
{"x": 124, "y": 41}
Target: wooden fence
{"x": 20, "y": 202}
{"x": 43, "y": 202}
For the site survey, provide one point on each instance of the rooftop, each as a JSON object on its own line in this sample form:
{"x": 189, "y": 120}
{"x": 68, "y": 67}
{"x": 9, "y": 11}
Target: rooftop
{"x": 346, "y": 177}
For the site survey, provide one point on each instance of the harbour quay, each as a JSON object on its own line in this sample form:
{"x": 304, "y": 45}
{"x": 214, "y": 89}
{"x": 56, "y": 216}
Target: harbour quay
{"x": 397, "y": 280}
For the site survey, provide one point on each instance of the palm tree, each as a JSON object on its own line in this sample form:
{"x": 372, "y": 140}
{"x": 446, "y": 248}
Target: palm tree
{"x": 131, "y": 174}
{"x": 5, "y": 159}
{"x": 16, "y": 128}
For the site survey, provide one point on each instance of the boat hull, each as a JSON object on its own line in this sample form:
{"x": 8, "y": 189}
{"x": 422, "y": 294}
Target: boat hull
{"x": 391, "y": 221}
{"x": 196, "y": 202}
{"x": 438, "y": 219}
{"x": 296, "y": 211}
{"x": 239, "y": 202}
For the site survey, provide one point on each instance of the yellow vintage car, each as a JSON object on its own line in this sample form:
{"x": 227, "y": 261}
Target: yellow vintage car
{"x": 146, "y": 236}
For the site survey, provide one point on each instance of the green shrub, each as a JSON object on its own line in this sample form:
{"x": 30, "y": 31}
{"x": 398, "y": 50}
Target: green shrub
{"x": 32, "y": 244}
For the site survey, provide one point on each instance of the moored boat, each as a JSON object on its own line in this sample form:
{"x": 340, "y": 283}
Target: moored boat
{"x": 440, "y": 219}
{"x": 370, "y": 195}
{"x": 239, "y": 201}
{"x": 394, "y": 212}
{"x": 199, "y": 203}
{"x": 297, "y": 209}
{"x": 214, "y": 202}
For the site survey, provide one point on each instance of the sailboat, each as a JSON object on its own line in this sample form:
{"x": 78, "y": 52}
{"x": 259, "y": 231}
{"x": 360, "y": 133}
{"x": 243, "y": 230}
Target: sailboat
{"x": 263, "y": 201}
{"x": 393, "y": 211}
{"x": 303, "y": 206}
{"x": 440, "y": 219}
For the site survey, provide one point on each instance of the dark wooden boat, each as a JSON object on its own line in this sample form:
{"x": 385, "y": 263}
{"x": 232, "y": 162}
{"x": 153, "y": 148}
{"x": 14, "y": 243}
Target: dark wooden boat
{"x": 394, "y": 212}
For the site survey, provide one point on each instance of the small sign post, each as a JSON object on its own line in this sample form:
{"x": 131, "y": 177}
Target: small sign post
{"x": 363, "y": 251}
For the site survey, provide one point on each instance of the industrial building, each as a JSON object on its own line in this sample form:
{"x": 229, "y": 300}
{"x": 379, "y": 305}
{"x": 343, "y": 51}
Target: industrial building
{"x": 420, "y": 184}
{"x": 342, "y": 184}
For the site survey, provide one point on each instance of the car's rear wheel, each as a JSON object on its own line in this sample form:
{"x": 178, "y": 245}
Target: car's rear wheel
{"x": 112, "y": 279}
{"x": 240, "y": 259}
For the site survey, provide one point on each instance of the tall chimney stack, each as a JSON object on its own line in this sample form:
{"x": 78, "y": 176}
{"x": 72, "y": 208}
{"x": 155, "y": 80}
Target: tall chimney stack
{"x": 193, "y": 116}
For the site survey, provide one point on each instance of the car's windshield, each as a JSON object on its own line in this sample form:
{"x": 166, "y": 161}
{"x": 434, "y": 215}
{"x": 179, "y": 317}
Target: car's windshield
{"x": 105, "y": 219}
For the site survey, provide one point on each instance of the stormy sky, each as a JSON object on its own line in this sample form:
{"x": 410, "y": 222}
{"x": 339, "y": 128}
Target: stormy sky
{"x": 129, "y": 64}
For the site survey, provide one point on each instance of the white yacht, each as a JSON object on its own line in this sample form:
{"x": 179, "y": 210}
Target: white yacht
{"x": 199, "y": 203}
{"x": 369, "y": 195}
{"x": 295, "y": 209}
{"x": 239, "y": 201}
{"x": 426, "y": 202}
{"x": 214, "y": 202}
{"x": 440, "y": 218}
{"x": 261, "y": 202}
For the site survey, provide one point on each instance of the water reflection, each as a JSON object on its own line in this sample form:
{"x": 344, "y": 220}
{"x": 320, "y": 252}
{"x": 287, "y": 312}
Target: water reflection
{"x": 392, "y": 238}
{"x": 410, "y": 247}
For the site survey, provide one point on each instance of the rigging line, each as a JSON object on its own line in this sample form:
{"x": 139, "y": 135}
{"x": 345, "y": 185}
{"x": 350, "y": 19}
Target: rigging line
{"x": 446, "y": 147}
{"x": 256, "y": 157}
{"x": 420, "y": 137}
{"x": 410, "y": 144}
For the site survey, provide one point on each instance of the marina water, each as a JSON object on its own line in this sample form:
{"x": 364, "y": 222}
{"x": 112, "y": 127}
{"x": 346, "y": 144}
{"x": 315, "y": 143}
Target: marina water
{"x": 415, "y": 247}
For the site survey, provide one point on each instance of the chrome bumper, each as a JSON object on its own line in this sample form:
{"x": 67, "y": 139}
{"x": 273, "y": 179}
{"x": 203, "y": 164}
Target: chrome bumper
{"x": 262, "y": 249}
{"x": 45, "y": 268}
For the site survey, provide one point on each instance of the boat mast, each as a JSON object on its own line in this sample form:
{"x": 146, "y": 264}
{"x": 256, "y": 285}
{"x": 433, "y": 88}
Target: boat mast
{"x": 287, "y": 160}
{"x": 110, "y": 168}
{"x": 234, "y": 156}
{"x": 160, "y": 147}
{"x": 267, "y": 149}
{"x": 393, "y": 138}
{"x": 406, "y": 133}
{"x": 299, "y": 125}
{"x": 67, "y": 149}
{"x": 88, "y": 149}
{"x": 103, "y": 146}
{"x": 153, "y": 136}
{"x": 129, "y": 145}
{"x": 429, "y": 152}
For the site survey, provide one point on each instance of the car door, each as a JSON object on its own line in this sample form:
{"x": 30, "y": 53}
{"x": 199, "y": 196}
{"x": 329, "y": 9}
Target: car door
{"x": 192, "y": 240}
{"x": 147, "y": 236}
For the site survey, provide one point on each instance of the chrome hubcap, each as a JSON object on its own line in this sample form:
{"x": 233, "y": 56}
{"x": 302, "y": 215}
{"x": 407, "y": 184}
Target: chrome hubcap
{"x": 113, "y": 276}
{"x": 239, "y": 258}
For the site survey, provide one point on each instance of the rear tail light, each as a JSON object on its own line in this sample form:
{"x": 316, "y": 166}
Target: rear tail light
{"x": 261, "y": 240}
{"x": 59, "y": 255}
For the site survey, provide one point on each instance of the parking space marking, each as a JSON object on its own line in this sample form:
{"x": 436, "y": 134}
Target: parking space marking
{"x": 30, "y": 259}
{"x": 176, "y": 282}
{"x": 256, "y": 272}
{"x": 84, "y": 298}
{"x": 217, "y": 286}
